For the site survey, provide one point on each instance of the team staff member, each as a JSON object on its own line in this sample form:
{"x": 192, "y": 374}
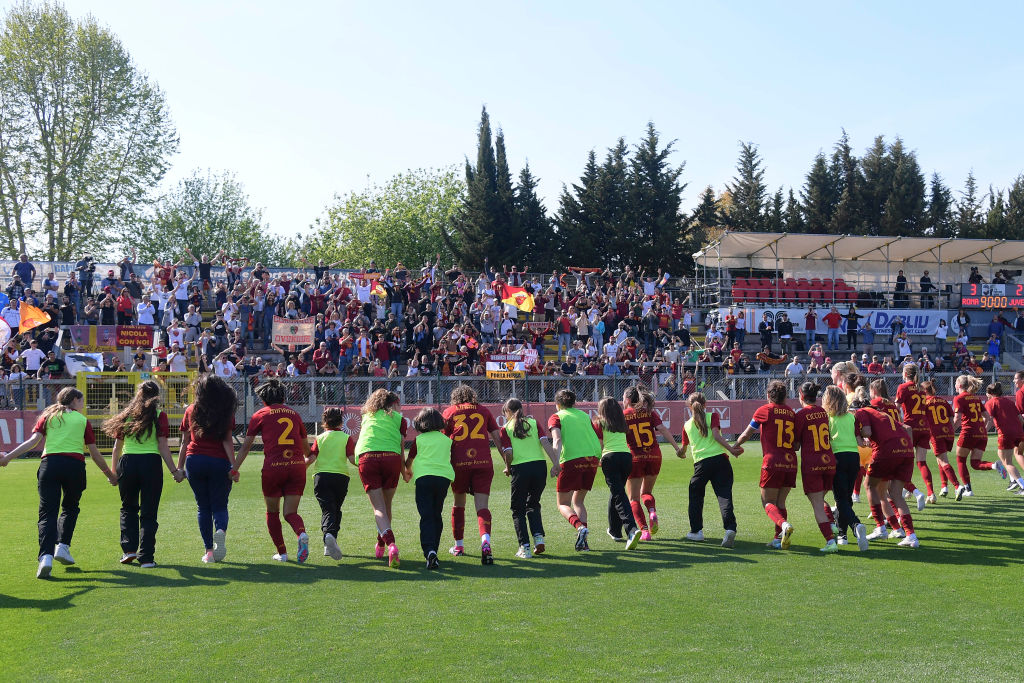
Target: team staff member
{"x": 911, "y": 399}
{"x": 817, "y": 462}
{"x": 776, "y": 423}
{"x": 526, "y": 466}
{"x": 642, "y": 423}
{"x": 616, "y": 463}
{"x": 940, "y": 426}
{"x": 433, "y": 473}
{"x": 702, "y": 433}
{"x": 379, "y": 452}
{"x": 330, "y": 455}
{"x": 472, "y": 429}
{"x": 573, "y": 437}
{"x": 842, "y": 430}
{"x": 65, "y": 435}
{"x": 969, "y": 419}
{"x": 284, "y": 465}
{"x": 1007, "y": 420}
{"x": 140, "y": 434}
{"x": 207, "y": 455}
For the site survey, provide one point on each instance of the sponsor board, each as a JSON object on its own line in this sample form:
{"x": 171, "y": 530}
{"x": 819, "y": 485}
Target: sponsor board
{"x": 915, "y": 321}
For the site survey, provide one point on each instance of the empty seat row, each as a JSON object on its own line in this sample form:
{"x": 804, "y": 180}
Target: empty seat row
{"x": 792, "y": 290}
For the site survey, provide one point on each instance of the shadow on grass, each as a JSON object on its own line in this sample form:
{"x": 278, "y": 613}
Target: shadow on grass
{"x": 43, "y": 605}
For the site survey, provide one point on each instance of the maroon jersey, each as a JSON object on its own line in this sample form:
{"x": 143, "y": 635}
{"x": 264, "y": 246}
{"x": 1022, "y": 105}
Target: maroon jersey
{"x": 911, "y": 399}
{"x": 468, "y": 425}
{"x": 640, "y": 426}
{"x": 813, "y": 438}
{"x": 1020, "y": 400}
{"x": 284, "y": 435}
{"x": 884, "y": 405}
{"x": 889, "y": 438}
{"x": 940, "y": 417}
{"x": 777, "y": 424}
{"x": 972, "y": 414}
{"x": 200, "y": 446}
{"x": 1004, "y": 414}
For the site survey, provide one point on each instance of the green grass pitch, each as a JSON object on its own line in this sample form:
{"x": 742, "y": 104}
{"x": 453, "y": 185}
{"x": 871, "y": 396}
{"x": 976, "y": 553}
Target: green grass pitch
{"x": 669, "y": 610}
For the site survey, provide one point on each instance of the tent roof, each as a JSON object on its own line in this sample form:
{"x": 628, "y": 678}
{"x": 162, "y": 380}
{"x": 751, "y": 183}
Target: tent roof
{"x": 739, "y": 249}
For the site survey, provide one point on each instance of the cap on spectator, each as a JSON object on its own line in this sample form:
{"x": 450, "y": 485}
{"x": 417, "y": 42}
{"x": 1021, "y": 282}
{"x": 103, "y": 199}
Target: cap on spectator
{"x": 110, "y": 272}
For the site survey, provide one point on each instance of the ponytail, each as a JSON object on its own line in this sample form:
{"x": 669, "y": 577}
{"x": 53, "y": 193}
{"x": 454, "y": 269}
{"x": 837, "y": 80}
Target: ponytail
{"x": 698, "y": 406}
{"x": 514, "y": 414}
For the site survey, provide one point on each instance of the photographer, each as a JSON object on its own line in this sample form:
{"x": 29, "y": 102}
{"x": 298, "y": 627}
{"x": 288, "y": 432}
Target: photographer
{"x": 85, "y": 268}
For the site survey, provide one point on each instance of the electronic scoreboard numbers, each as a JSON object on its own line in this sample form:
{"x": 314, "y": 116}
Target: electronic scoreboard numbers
{"x": 991, "y": 297}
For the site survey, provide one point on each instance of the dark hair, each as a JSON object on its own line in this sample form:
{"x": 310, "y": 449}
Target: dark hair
{"x": 609, "y": 414}
{"x": 464, "y": 394}
{"x": 698, "y": 406}
{"x": 809, "y": 392}
{"x": 639, "y": 396}
{"x": 928, "y": 387}
{"x": 994, "y": 389}
{"x": 428, "y": 420}
{"x": 513, "y": 410}
{"x": 271, "y": 392}
{"x": 777, "y": 392}
{"x": 139, "y": 417}
{"x": 65, "y": 398}
{"x": 213, "y": 409}
{"x": 880, "y": 389}
{"x": 333, "y": 418}
{"x": 565, "y": 398}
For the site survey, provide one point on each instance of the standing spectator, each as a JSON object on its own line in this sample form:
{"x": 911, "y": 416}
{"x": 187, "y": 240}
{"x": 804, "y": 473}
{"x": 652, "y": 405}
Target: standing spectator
{"x": 564, "y": 327}
{"x": 852, "y": 325}
{"x": 765, "y": 329}
{"x": 903, "y": 346}
{"x": 900, "y": 299}
{"x": 895, "y": 328}
{"x": 25, "y": 270}
{"x": 85, "y": 268}
{"x": 961, "y": 323}
{"x": 942, "y": 333}
{"x": 785, "y": 329}
{"x": 926, "y": 288}
{"x": 810, "y": 325}
{"x": 867, "y": 333}
{"x": 834, "y": 320}
{"x": 32, "y": 357}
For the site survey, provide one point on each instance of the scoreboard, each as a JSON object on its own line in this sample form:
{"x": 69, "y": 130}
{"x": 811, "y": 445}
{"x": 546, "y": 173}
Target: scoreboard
{"x": 991, "y": 297}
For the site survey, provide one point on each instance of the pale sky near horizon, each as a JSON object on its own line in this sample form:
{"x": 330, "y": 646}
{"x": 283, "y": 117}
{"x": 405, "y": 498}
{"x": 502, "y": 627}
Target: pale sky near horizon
{"x": 319, "y": 99}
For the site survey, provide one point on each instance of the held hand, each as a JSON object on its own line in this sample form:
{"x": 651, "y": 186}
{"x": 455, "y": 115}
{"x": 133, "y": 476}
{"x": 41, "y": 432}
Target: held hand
{"x": 179, "y": 476}
{"x": 681, "y": 453}
{"x": 506, "y": 471}
{"x": 737, "y": 451}
{"x": 406, "y": 474}
{"x": 112, "y": 478}
{"x": 555, "y": 469}
{"x": 3, "y": 460}
{"x": 234, "y": 476}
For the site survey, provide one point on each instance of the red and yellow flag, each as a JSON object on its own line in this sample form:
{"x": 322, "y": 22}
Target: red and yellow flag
{"x": 518, "y": 297}
{"x": 31, "y": 317}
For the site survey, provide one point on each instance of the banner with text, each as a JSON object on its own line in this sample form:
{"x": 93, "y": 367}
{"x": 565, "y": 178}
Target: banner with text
{"x": 298, "y": 333}
{"x": 915, "y": 321}
{"x": 505, "y": 366}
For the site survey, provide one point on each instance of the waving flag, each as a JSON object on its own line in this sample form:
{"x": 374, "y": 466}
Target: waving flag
{"x": 31, "y": 317}
{"x": 518, "y": 297}
{"x": 379, "y": 290}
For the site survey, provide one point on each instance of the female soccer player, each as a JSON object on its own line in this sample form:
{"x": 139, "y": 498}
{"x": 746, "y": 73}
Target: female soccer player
{"x": 284, "y": 465}
{"x": 702, "y": 433}
{"x": 880, "y": 399}
{"x": 969, "y": 419}
{"x": 472, "y": 429}
{"x": 433, "y": 474}
{"x": 330, "y": 455}
{"x": 616, "y": 463}
{"x": 817, "y": 462}
{"x": 777, "y": 424}
{"x": 642, "y": 423}
{"x": 526, "y": 466}
{"x": 843, "y": 439}
{"x": 1007, "y": 421}
{"x": 940, "y": 426}
{"x": 892, "y": 463}
{"x": 911, "y": 399}
{"x": 140, "y": 442}
{"x": 379, "y": 451}
{"x": 207, "y": 455}
{"x": 573, "y": 437}
{"x": 65, "y": 435}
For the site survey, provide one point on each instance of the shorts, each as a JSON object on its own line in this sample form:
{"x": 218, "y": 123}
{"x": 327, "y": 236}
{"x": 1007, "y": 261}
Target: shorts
{"x": 645, "y": 466}
{"x": 975, "y": 443}
{"x": 289, "y": 480}
{"x": 1008, "y": 442}
{"x": 379, "y": 470}
{"x": 942, "y": 444}
{"x": 577, "y": 475}
{"x": 892, "y": 469}
{"x": 774, "y": 478}
{"x": 473, "y": 479}
{"x": 921, "y": 438}
{"x": 817, "y": 481}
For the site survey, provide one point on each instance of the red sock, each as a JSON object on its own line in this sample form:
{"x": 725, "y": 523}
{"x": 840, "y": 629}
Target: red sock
{"x": 784, "y": 512}
{"x": 380, "y": 540}
{"x": 907, "y": 523}
{"x": 860, "y": 480}
{"x": 638, "y": 514}
{"x": 909, "y": 485}
{"x": 648, "y": 501}
{"x": 950, "y": 475}
{"x": 295, "y": 521}
{"x": 826, "y": 530}
{"x": 943, "y": 479}
{"x": 828, "y": 513}
{"x": 483, "y": 521}
{"x": 458, "y": 522}
{"x": 926, "y": 475}
{"x": 961, "y": 466}
{"x": 274, "y": 527}
{"x": 775, "y": 514}
{"x": 575, "y": 521}
{"x": 389, "y": 537}
{"x": 893, "y": 521}
{"x": 877, "y": 515}
{"x": 977, "y": 464}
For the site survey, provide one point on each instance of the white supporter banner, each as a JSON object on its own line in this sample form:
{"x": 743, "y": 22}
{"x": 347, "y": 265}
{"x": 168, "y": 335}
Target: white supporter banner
{"x": 915, "y": 321}
{"x": 298, "y": 333}
{"x": 505, "y": 366}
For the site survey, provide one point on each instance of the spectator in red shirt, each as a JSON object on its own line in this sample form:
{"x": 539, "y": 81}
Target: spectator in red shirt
{"x": 874, "y": 367}
{"x": 810, "y": 325}
{"x": 833, "y": 320}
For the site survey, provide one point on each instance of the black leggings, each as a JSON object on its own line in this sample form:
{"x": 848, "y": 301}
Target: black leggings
{"x": 61, "y": 483}
{"x": 330, "y": 489}
{"x": 616, "y": 468}
{"x": 717, "y": 470}
{"x": 430, "y": 494}
{"x": 528, "y": 482}
{"x": 847, "y": 467}
{"x": 140, "y": 481}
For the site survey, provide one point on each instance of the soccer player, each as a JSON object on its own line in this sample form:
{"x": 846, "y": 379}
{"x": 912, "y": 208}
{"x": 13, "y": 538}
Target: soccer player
{"x": 969, "y": 419}
{"x": 817, "y": 462}
{"x": 65, "y": 435}
{"x": 140, "y": 442}
{"x": 472, "y": 429}
{"x": 879, "y": 392}
{"x": 379, "y": 451}
{"x": 284, "y": 465}
{"x": 616, "y": 463}
{"x": 207, "y": 454}
{"x": 1007, "y": 419}
{"x": 525, "y": 465}
{"x": 892, "y": 463}
{"x": 433, "y": 474}
{"x": 330, "y": 455}
{"x": 642, "y": 423}
{"x": 702, "y": 433}
{"x": 574, "y": 438}
{"x": 776, "y": 423}
{"x": 1018, "y": 382}
{"x": 843, "y": 439}
{"x": 911, "y": 399}
{"x": 940, "y": 425}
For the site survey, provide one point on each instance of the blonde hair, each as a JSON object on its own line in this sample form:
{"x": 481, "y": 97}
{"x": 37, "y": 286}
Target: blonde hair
{"x": 834, "y": 402}
{"x": 968, "y": 384}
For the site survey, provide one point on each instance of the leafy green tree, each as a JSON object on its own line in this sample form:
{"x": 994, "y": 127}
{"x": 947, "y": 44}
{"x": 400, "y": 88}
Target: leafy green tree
{"x": 748, "y": 192}
{"x": 968, "y": 217}
{"x": 819, "y": 196}
{"x": 939, "y": 215}
{"x": 84, "y": 135}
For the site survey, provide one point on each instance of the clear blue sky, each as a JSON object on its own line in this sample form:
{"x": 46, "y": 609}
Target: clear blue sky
{"x": 306, "y": 100}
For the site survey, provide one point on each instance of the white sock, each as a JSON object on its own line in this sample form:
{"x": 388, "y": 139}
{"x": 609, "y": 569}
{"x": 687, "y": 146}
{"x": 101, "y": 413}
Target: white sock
{"x": 1020, "y": 482}
{"x": 458, "y": 543}
{"x": 485, "y": 538}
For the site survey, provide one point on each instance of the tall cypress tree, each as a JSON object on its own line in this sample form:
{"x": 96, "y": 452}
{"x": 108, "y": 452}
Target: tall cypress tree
{"x": 656, "y": 224}
{"x": 706, "y": 215}
{"x": 579, "y": 226}
{"x": 939, "y": 216}
{"x": 969, "y": 221}
{"x": 612, "y": 202}
{"x": 819, "y": 196}
{"x": 747, "y": 212}
{"x": 848, "y": 218}
{"x": 505, "y": 240}
{"x": 774, "y": 218}
{"x": 793, "y": 216}
{"x": 536, "y": 248}
{"x": 877, "y": 169}
{"x": 480, "y": 220}
{"x": 904, "y": 208}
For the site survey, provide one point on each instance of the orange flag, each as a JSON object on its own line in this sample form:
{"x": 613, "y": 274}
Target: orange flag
{"x": 31, "y": 317}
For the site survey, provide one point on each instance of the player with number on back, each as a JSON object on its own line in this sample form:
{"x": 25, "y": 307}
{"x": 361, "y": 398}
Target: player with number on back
{"x": 1007, "y": 422}
{"x": 817, "y": 462}
{"x": 969, "y": 419}
{"x": 777, "y": 424}
{"x": 940, "y": 425}
{"x": 472, "y": 429}
{"x": 284, "y": 464}
{"x": 641, "y": 424}
{"x": 911, "y": 399}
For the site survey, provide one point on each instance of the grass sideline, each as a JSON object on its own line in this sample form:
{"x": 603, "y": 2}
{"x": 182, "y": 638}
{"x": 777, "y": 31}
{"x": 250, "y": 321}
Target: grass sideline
{"x": 670, "y": 610}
